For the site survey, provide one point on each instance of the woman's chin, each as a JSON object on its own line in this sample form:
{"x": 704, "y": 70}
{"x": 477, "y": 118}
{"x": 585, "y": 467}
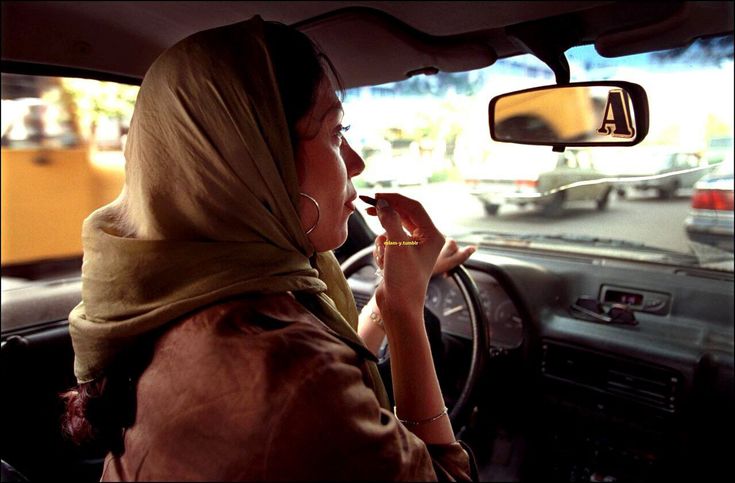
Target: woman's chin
{"x": 330, "y": 241}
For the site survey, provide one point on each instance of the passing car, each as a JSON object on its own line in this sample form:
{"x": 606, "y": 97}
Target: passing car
{"x": 542, "y": 178}
{"x": 596, "y": 346}
{"x": 710, "y": 220}
{"x": 662, "y": 171}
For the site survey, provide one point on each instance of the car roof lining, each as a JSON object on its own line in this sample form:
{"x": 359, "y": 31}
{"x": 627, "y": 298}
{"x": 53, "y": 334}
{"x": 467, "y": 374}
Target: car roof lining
{"x": 412, "y": 50}
{"x": 399, "y": 37}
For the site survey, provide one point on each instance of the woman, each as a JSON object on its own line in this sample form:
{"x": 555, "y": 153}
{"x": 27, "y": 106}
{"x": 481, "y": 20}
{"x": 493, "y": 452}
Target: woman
{"x": 215, "y": 339}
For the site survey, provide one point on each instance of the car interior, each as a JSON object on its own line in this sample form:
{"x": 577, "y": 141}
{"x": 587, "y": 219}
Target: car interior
{"x": 558, "y": 361}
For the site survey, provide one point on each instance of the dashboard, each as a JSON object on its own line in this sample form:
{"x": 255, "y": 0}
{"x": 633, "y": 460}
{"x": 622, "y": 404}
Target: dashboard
{"x": 681, "y": 314}
{"x": 504, "y": 324}
{"x": 445, "y": 301}
{"x": 656, "y": 394}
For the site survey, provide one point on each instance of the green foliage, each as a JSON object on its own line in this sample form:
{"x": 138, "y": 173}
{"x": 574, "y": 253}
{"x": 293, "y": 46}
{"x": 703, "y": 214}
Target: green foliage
{"x": 439, "y": 176}
{"x": 448, "y": 174}
{"x": 94, "y": 100}
{"x": 717, "y": 127}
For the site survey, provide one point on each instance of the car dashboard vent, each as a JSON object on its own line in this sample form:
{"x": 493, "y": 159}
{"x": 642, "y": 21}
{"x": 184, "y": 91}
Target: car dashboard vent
{"x": 634, "y": 381}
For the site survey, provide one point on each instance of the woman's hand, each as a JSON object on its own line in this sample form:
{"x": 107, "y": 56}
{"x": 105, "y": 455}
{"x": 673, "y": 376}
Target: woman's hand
{"x": 451, "y": 256}
{"x": 407, "y": 259}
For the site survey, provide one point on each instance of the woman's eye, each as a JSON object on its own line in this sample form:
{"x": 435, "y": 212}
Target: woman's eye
{"x": 341, "y": 130}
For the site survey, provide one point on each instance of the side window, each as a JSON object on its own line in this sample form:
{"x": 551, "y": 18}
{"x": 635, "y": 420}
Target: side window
{"x": 62, "y": 158}
{"x": 686, "y": 160}
{"x": 583, "y": 160}
{"x": 681, "y": 160}
{"x": 568, "y": 160}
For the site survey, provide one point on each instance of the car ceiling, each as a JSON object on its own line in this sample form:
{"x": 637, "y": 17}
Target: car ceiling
{"x": 368, "y": 42}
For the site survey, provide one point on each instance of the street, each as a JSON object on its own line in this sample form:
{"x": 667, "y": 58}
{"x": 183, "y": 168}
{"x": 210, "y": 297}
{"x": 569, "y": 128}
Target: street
{"x": 641, "y": 218}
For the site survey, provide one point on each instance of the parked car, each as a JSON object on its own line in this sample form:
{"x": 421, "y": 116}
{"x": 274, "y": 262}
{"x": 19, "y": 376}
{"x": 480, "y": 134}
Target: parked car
{"x": 609, "y": 352}
{"x": 393, "y": 163}
{"x": 710, "y": 220}
{"x": 663, "y": 171}
{"x": 542, "y": 178}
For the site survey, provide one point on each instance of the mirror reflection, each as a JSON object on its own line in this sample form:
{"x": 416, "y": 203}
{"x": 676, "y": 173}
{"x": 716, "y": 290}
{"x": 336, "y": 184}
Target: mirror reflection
{"x": 565, "y": 114}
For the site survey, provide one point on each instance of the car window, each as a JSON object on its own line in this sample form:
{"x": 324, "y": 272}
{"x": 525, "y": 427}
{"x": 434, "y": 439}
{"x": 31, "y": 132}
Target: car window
{"x": 426, "y": 137}
{"x": 634, "y": 195}
{"x": 62, "y": 141}
{"x": 569, "y": 161}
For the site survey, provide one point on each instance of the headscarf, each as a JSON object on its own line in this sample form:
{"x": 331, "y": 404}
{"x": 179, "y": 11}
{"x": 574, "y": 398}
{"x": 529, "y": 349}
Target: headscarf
{"x": 211, "y": 189}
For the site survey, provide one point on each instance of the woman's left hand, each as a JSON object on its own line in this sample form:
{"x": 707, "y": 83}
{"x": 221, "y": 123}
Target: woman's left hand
{"x": 450, "y": 256}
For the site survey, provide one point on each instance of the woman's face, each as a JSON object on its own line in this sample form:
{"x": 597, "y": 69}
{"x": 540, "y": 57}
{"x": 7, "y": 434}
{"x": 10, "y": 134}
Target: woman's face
{"x": 325, "y": 164}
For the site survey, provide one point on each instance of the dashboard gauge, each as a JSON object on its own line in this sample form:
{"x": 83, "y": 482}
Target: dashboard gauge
{"x": 487, "y": 303}
{"x": 504, "y": 312}
{"x": 454, "y": 315}
{"x": 454, "y": 305}
{"x": 506, "y": 327}
{"x": 434, "y": 297}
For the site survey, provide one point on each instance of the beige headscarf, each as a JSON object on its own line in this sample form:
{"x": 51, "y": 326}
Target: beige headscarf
{"x": 211, "y": 188}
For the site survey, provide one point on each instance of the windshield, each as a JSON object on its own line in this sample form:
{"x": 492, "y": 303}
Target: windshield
{"x": 428, "y": 138}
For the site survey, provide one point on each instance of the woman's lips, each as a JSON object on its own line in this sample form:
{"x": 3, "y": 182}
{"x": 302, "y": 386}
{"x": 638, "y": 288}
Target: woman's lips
{"x": 351, "y": 202}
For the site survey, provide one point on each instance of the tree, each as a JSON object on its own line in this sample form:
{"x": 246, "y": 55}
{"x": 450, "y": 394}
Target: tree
{"x": 94, "y": 100}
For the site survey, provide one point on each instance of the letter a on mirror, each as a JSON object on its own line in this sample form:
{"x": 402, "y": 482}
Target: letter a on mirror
{"x": 616, "y": 120}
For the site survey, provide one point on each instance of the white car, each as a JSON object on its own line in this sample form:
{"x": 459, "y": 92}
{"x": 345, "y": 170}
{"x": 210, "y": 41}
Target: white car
{"x": 542, "y": 178}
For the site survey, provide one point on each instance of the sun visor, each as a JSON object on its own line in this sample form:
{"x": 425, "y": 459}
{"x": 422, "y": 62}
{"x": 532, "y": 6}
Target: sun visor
{"x": 678, "y": 29}
{"x": 390, "y": 50}
{"x": 69, "y": 35}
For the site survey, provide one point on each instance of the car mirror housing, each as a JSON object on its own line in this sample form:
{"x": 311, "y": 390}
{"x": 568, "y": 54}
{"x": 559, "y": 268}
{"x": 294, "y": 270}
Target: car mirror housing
{"x": 604, "y": 113}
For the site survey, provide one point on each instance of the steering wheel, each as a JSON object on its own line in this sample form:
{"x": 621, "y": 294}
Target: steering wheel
{"x": 459, "y": 412}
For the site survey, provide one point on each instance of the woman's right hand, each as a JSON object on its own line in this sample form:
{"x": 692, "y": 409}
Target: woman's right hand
{"x": 408, "y": 259}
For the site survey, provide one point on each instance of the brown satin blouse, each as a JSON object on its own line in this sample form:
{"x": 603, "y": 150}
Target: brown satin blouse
{"x": 260, "y": 389}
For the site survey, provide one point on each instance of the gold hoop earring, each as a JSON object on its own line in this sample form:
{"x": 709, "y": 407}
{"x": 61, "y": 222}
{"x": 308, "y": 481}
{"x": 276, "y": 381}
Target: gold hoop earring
{"x": 318, "y": 212}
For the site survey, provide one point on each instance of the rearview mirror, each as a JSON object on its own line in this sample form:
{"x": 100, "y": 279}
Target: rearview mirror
{"x": 605, "y": 113}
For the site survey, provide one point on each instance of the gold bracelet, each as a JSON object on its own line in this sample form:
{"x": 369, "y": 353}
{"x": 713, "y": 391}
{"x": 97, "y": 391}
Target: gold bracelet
{"x": 408, "y": 422}
{"x": 376, "y": 318}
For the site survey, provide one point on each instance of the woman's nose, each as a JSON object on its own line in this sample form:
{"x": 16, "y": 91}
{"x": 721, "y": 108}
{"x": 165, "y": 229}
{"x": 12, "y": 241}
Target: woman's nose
{"x": 353, "y": 161}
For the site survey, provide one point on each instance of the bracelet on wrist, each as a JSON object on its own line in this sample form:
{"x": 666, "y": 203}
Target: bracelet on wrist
{"x": 408, "y": 422}
{"x": 374, "y": 315}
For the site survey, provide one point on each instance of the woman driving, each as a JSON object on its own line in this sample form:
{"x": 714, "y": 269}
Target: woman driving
{"x": 217, "y": 338}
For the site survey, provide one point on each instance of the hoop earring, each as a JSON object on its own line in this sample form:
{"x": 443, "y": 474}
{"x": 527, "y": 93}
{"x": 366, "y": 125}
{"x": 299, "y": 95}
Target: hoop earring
{"x": 318, "y": 212}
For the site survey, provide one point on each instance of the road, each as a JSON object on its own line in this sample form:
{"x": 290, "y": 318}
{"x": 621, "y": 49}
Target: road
{"x": 642, "y": 218}
{"x": 639, "y": 218}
